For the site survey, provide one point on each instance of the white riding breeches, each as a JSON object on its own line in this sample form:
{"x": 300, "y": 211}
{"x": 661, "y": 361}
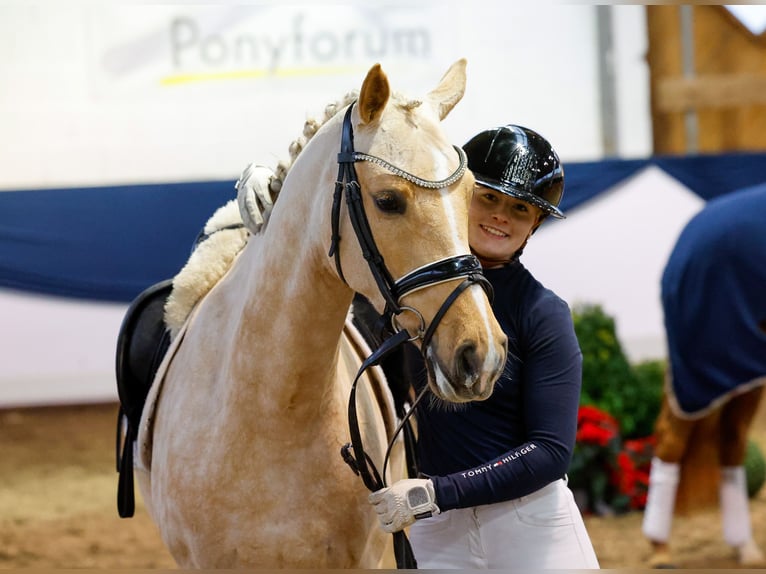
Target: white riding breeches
{"x": 543, "y": 530}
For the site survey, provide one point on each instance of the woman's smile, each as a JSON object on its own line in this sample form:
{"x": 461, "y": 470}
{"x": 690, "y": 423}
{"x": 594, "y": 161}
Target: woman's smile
{"x": 494, "y": 231}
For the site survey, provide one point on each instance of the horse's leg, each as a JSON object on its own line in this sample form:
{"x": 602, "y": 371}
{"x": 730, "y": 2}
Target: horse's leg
{"x": 672, "y": 436}
{"x": 736, "y": 419}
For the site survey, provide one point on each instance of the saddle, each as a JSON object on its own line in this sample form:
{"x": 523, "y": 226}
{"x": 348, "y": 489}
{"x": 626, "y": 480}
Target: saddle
{"x": 142, "y": 343}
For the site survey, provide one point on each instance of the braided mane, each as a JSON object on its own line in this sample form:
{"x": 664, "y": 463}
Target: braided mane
{"x": 310, "y": 128}
{"x": 226, "y": 236}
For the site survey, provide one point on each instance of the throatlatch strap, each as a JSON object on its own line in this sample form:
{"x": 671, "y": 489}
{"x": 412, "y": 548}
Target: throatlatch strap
{"x": 335, "y": 239}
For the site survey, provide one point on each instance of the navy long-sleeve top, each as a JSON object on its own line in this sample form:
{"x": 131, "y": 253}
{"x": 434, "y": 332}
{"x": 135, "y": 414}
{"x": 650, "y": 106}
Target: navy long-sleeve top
{"x": 521, "y": 438}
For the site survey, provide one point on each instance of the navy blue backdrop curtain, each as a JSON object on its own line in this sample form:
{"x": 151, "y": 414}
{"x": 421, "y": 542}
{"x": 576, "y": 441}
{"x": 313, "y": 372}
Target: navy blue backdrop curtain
{"x": 110, "y": 243}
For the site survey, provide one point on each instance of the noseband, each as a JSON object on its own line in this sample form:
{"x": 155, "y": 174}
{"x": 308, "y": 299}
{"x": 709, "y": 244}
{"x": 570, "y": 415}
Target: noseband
{"x": 393, "y": 291}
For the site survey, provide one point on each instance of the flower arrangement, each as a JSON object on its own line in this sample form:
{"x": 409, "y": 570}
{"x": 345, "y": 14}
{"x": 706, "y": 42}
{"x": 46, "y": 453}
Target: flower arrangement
{"x": 609, "y": 475}
{"x": 631, "y": 475}
{"x": 620, "y": 402}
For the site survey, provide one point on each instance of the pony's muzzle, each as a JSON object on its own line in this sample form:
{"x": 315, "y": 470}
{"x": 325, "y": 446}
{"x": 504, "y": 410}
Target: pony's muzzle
{"x": 478, "y": 373}
{"x": 471, "y": 373}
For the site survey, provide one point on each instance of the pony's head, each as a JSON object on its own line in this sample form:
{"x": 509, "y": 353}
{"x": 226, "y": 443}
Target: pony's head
{"x": 404, "y": 231}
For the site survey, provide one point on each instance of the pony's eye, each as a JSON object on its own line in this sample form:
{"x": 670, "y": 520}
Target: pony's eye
{"x": 389, "y": 202}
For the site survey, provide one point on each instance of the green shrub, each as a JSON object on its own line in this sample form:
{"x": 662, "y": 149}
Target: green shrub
{"x": 755, "y": 468}
{"x": 631, "y": 394}
{"x": 650, "y": 377}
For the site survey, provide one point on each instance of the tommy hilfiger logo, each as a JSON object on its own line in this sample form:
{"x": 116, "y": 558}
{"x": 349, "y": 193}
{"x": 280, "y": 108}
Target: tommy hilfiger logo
{"x": 486, "y": 468}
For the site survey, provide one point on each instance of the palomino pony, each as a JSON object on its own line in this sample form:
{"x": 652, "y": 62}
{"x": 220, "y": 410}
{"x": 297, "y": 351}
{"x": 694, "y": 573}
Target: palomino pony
{"x": 715, "y": 318}
{"x": 238, "y": 450}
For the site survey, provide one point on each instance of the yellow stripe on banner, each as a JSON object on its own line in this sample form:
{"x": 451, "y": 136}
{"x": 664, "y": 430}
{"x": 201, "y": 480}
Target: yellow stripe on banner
{"x": 178, "y": 79}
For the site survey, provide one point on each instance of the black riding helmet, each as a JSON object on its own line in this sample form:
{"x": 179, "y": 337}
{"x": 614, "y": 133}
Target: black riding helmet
{"x": 518, "y": 162}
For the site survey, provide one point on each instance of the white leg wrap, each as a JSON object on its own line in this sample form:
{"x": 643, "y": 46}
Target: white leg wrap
{"x": 735, "y": 512}
{"x": 661, "y": 499}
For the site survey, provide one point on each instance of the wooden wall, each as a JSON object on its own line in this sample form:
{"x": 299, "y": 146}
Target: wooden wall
{"x": 725, "y": 95}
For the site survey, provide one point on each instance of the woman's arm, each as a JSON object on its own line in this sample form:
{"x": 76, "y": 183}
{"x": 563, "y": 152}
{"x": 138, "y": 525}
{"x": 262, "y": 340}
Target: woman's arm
{"x": 552, "y": 375}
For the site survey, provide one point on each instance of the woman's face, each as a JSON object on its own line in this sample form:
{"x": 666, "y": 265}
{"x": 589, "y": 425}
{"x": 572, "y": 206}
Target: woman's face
{"x": 498, "y": 225}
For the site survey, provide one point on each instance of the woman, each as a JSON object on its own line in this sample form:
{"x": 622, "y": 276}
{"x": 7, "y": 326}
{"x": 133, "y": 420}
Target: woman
{"x": 493, "y": 492}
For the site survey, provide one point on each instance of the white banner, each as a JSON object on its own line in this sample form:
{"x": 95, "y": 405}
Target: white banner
{"x": 147, "y": 50}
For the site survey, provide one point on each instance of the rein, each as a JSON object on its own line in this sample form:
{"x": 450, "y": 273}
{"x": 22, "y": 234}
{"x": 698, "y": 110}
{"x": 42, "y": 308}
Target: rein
{"x": 448, "y": 269}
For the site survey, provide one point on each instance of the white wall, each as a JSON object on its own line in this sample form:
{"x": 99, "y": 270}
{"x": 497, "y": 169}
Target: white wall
{"x": 56, "y": 350}
{"x": 612, "y": 251}
{"x": 100, "y": 93}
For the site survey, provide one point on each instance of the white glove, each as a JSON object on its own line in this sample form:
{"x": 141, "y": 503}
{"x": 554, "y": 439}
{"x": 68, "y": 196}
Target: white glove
{"x": 402, "y": 503}
{"x": 254, "y": 196}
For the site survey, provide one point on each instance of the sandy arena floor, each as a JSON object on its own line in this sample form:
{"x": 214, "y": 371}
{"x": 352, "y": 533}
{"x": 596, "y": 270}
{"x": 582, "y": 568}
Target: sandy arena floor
{"x": 58, "y": 489}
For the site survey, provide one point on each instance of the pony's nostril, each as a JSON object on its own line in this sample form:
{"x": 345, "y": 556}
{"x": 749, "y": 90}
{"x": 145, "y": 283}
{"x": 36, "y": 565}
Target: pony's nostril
{"x": 468, "y": 363}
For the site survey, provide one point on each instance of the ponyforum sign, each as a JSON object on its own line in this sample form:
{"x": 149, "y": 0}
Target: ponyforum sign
{"x": 143, "y": 48}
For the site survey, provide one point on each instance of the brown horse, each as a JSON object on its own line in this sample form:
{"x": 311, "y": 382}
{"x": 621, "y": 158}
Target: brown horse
{"x": 701, "y": 456}
{"x": 238, "y": 451}
{"x": 715, "y": 319}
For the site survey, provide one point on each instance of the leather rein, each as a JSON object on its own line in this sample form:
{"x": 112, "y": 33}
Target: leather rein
{"x": 448, "y": 269}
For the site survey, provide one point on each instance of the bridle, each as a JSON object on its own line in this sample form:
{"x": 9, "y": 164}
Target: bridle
{"x": 466, "y": 266}
{"x": 393, "y": 291}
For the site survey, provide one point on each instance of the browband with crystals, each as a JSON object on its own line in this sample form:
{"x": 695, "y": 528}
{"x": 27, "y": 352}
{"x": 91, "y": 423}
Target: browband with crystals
{"x": 427, "y": 183}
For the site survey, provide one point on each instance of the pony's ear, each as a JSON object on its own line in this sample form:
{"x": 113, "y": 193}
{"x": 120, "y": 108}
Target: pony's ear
{"x": 450, "y": 90}
{"x": 373, "y": 95}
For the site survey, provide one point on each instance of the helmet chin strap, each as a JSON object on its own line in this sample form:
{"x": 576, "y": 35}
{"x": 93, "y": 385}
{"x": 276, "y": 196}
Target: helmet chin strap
{"x": 483, "y": 259}
{"x": 489, "y": 261}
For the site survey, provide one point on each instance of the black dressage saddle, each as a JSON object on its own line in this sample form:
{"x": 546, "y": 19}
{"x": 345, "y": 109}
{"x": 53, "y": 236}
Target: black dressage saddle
{"x": 141, "y": 345}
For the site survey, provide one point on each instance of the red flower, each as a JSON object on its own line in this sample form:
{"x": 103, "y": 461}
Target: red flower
{"x": 595, "y": 426}
{"x": 631, "y": 476}
{"x": 590, "y": 433}
{"x": 609, "y": 470}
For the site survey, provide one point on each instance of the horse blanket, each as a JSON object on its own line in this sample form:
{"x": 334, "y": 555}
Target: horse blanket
{"x": 714, "y": 302}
